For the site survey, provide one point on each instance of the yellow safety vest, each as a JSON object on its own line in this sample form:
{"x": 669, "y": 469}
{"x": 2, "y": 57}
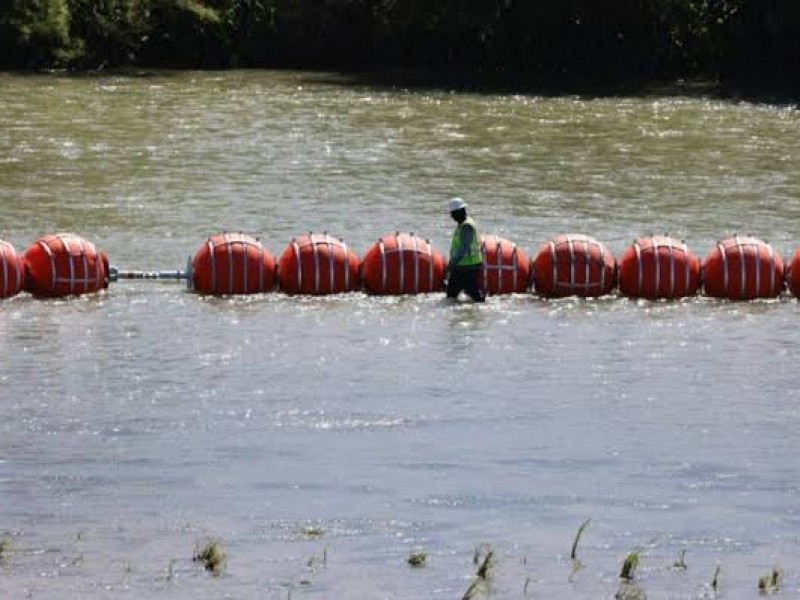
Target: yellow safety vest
{"x": 474, "y": 256}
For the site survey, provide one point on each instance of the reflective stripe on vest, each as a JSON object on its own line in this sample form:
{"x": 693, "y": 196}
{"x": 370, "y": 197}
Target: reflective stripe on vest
{"x": 474, "y": 256}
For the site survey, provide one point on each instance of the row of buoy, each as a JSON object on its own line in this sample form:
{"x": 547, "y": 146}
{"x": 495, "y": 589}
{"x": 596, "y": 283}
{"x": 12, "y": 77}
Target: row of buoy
{"x": 737, "y": 268}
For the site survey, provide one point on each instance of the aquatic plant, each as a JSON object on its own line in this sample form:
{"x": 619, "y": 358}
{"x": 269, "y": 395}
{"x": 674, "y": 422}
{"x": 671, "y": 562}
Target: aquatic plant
{"x": 629, "y": 566}
{"x": 213, "y": 557}
{"x": 315, "y": 560}
{"x": 313, "y": 533}
{"x": 473, "y": 590}
{"x": 715, "y": 579}
{"x": 576, "y": 564}
{"x": 629, "y": 591}
{"x": 770, "y": 582}
{"x": 484, "y": 571}
{"x": 6, "y": 544}
{"x": 680, "y": 564}
{"x": 417, "y": 559}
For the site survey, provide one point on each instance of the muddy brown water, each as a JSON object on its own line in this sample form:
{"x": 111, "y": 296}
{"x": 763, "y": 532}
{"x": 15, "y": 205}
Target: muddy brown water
{"x": 322, "y": 440}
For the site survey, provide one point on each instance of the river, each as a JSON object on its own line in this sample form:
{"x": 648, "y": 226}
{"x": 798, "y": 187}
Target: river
{"x": 324, "y": 440}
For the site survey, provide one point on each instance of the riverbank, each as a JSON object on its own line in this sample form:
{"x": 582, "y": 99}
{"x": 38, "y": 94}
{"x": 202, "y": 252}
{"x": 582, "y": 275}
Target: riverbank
{"x": 748, "y": 46}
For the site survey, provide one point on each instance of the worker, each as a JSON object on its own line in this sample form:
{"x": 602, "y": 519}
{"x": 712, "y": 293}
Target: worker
{"x": 466, "y": 259}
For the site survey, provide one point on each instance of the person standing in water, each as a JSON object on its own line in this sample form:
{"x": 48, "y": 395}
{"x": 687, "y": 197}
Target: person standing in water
{"x": 466, "y": 259}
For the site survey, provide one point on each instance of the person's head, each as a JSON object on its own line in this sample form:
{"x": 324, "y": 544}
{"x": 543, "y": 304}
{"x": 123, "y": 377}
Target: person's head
{"x": 458, "y": 209}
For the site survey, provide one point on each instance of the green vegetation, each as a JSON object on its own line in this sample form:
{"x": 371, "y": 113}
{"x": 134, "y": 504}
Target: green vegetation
{"x": 680, "y": 564}
{"x": 770, "y": 583}
{"x": 576, "y": 564}
{"x": 213, "y": 557}
{"x": 547, "y": 41}
{"x": 483, "y": 574}
{"x": 715, "y": 579}
{"x": 6, "y": 545}
{"x": 417, "y": 559}
{"x": 629, "y": 566}
{"x": 312, "y": 533}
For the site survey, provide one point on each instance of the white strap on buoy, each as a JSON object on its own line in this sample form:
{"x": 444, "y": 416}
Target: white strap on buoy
{"x": 742, "y": 267}
{"x": 213, "y": 260}
{"x": 346, "y": 267}
{"x": 771, "y": 270}
{"x": 429, "y": 251}
{"x": 416, "y": 263}
{"x": 299, "y": 266}
{"x": 602, "y": 267}
{"x": 721, "y": 248}
{"x": 638, "y": 249}
{"x": 382, "y": 249}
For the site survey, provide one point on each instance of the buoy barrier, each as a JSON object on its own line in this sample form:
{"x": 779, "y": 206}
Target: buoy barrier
{"x": 573, "y": 265}
{"x": 11, "y": 271}
{"x": 318, "y": 264}
{"x": 658, "y": 267}
{"x": 653, "y": 267}
{"x": 792, "y": 275}
{"x": 232, "y": 263}
{"x": 743, "y": 268}
{"x": 402, "y": 264}
{"x": 506, "y": 266}
{"x": 64, "y": 264}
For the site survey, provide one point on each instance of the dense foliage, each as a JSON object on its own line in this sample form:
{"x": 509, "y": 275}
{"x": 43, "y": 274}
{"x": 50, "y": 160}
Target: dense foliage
{"x": 604, "y": 40}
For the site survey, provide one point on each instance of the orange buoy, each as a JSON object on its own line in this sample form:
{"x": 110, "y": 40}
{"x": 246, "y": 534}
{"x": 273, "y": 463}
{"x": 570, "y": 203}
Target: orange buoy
{"x": 64, "y": 264}
{"x": 11, "y": 271}
{"x": 402, "y": 264}
{"x": 793, "y": 274}
{"x": 573, "y": 265}
{"x": 743, "y": 268}
{"x": 658, "y": 267}
{"x": 232, "y": 263}
{"x": 506, "y": 266}
{"x": 318, "y": 264}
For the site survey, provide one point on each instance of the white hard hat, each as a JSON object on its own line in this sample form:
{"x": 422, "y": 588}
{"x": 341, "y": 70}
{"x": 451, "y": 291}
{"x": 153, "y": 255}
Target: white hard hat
{"x": 456, "y": 204}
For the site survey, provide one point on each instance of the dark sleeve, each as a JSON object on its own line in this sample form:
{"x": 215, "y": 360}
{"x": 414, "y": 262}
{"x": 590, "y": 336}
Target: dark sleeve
{"x": 467, "y": 233}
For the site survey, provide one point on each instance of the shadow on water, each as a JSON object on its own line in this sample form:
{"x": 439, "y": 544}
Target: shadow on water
{"x": 780, "y": 92}
{"x": 503, "y": 83}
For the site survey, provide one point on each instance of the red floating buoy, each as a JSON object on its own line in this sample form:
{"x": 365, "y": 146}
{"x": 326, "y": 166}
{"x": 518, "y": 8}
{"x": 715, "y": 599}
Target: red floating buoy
{"x": 402, "y": 264}
{"x": 573, "y": 265}
{"x": 64, "y": 264}
{"x": 11, "y": 271}
{"x": 506, "y": 266}
{"x": 793, "y": 274}
{"x": 232, "y": 263}
{"x": 318, "y": 264}
{"x": 743, "y": 268}
{"x": 658, "y": 267}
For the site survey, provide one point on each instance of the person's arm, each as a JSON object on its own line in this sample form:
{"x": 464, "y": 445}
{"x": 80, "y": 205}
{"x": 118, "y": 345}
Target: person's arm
{"x": 465, "y": 236}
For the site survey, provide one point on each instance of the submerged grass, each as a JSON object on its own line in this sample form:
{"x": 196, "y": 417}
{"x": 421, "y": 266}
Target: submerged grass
{"x": 715, "y": 579}
{"x": 213, "y": 557}
{"x": 312, "y": 533}
{"x": 680, "y": 564}
{"x": 475, "y": 588}
{"x": 6, "y": 546}
{"x": 485, "y": 570}
{"x": 417, "y": 559}
{"x": 574, "y": 552}
{"x": 629, "y": 566}
{"x": 770, "y": 583}
{"x": 577, "y": 565}
{"x": 481, "y": 582}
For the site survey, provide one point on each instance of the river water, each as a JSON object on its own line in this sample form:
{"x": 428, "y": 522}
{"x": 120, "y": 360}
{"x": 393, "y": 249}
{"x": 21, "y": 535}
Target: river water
{"x": 323, "y": 440}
